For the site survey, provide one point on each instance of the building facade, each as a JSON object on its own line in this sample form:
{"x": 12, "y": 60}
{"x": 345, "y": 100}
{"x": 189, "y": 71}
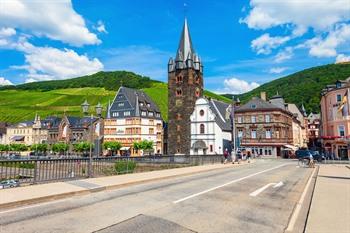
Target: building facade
{"x": 314, "y": 134}
{"x": 211, "y": 130}
{"x": 133, "y": 117}
{"x": 336, "y": 119}
{"x": 185, "y": 86}
{"x": 29, "y": 132}
{"x": 263, "y": 128}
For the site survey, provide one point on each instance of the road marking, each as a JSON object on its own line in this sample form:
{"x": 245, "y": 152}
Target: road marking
{"x": 296, "y": 212}
{"x": 31, "y": 206}
{"x": 228, "y": 183}
{"x": 260, "y": 190}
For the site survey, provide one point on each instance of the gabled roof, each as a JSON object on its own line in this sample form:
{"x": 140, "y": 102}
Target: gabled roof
{"x": 134, "y": 101}
{"x": 256, "y": 104}
{"x": 219, "y": 109}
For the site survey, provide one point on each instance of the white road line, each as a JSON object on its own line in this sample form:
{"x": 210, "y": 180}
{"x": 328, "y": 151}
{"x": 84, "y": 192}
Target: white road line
{"x": 296, "y": 212}
{"x": 260, "y": 190}
{"x": 31, "y": 206}
{"x": 228, "y": 183}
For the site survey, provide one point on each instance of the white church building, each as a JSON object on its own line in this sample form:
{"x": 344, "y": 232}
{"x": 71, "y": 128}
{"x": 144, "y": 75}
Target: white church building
{"x": 210, "y": 127}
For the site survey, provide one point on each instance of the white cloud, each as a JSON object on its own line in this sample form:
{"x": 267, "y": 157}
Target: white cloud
{"x": 6, "y": 32}
{"x": 265, "y": 43}
{"x": 277, "y": 70}
{"x": 320, "y": 15}
{"x": 326, "y": 47}
{"x": 56, "y": 20}
{"x": 143, "y": 60}
{"x": 237, "y": 86}
{"x": 284, "y": 55}
{"x": 342, "y": 58}
{"x": 327, "y": 20}
{"x": 101, "y": 27}
{"x": 5, "y": 82}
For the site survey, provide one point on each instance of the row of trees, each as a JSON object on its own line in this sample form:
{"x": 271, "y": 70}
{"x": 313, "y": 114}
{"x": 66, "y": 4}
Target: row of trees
{"x": 81, "y": 147}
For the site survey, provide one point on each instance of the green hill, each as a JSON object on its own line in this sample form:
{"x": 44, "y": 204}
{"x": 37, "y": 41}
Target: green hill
{"x": 302, "y": 87}
{"x": 18, "y": 103}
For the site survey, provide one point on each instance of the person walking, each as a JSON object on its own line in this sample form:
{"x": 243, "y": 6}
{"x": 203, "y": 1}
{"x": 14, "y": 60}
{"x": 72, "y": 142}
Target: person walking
{"x": 225, "y": 156}
{"x": 233, "y": 156}
{"x": 311, "y": 162}
{"x": 248, "y": 156}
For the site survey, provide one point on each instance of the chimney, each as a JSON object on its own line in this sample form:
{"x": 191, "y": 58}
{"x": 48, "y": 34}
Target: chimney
{"x": 263, "y": 95}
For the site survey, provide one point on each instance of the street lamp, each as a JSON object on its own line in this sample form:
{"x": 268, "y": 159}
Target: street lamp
{"x": 99, "y": 109}
{"x": 85, "y": 106}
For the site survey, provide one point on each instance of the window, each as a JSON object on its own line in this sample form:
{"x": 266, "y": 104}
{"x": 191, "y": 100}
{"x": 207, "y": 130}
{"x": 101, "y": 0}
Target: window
{"x": 201, "y": 129}
{"x": 253, "y": 106}
{"x": 178, "y": 92}
{"x": 157, "y": 114}
{"x": 268, "y": 133}
{"x": 197, "y": 79}
{"x": 267, "y": 118}
{"x": 143, "y": 113}
{"x": 127, "y": 113}
{"x": 178, "y": 116}
{"x": 253, "y": 133}
{"x": 201, "y": 112}
{"x": 141, "y": 104}
{"x": 120, "y": 104}
{"x": 239, "y": 119}
{"x": 211, "y": 148}
{"x": 178, "y": 128}
{"x": 197, "y": 93}
{"x": 178, "y": 140}
{"x": 253, "y": 119}
{"x": 179, "y": 79}
{"x": 150, "y": 114}
{"x": 341, "y": 130}
{"x": 151, "y": 131}
{"x": 148, "y": 105}
{"x": 240, "y": 133}
{"x": 339, "y": 98}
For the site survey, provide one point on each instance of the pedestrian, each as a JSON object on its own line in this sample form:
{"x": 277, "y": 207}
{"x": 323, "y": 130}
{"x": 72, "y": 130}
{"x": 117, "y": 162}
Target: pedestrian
{"x": 311, "y": 162}
{"x": 248, "y": 156}
{"x": 239, "y": 156}
{"x": 225, "y": 156}
{"x": 233, "y": 156}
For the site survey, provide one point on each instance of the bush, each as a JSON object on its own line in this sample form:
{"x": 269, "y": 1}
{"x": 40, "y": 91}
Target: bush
{"x": 124, "y": 166}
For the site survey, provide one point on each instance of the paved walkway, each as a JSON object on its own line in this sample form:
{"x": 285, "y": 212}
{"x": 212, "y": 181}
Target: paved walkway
{"x": 330, "y": 207}
{"x": 50, "y": 191}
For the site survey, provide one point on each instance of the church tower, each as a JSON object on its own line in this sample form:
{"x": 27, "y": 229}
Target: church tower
{"x": 185, "y": 86}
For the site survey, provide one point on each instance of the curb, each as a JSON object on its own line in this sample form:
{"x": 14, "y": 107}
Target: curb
{"x": 54, "y": 197}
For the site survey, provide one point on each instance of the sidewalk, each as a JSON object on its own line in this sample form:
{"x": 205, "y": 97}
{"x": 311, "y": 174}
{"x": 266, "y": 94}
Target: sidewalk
{"x": 15, "y": 197}
{"x": 330, "y": 207}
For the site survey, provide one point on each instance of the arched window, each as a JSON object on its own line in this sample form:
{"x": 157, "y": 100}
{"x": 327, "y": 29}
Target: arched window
{"x": 201, "y": 112}
{"x": 179, "y": 79}
{"x": 201, "y": 129}
{"x": 178, "y": 92}
{"x": 197, "y": 79}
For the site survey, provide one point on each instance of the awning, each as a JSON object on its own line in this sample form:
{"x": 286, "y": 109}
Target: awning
{"x": 291, "y": 147}
{"x": 17, "y": 138}
{"x": 125, "y": 148}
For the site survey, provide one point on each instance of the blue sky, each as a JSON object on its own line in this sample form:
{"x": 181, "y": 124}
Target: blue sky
{"x": 243, "y": 44}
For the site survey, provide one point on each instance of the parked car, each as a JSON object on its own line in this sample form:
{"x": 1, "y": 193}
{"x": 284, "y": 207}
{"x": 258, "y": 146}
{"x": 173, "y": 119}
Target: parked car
{"x": 9, "y": 184}
{"x": 305, "y": 154}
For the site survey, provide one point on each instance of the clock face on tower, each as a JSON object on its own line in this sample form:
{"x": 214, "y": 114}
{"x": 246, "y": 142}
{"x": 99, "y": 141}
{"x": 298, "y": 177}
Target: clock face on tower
{"x": 185, "y": 86}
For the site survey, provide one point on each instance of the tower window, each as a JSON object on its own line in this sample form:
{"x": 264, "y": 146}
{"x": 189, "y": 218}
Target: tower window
{"x": 197, "y": 79}
{"x": 201, "y": 129}
{"x": 201, "y": 112}
{"x": 178, "y": 92}
{"x": 178, "y": 116}
{"x": 197, "y": 93}
{"x": 178, "y": 138}
{"x": 178, "y": 127}
{"x": 179, "y": 79}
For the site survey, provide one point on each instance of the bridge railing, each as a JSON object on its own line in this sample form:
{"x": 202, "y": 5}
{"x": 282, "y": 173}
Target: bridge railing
{"x": 47, "y": 170}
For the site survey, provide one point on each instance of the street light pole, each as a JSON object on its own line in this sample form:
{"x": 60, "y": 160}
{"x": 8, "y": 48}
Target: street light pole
{"x": 91, "y": 140}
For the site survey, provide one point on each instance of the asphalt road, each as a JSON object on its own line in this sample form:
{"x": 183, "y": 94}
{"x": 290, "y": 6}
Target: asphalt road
{"x": 259, "y": 197}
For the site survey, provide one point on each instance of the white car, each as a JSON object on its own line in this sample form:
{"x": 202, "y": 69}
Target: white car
{"x": 9, "y": 184}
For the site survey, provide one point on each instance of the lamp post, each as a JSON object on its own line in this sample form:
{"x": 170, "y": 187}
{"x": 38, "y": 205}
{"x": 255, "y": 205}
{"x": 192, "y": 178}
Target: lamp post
{"x": 99, "y": 113}
{"x": 85, "y": 107}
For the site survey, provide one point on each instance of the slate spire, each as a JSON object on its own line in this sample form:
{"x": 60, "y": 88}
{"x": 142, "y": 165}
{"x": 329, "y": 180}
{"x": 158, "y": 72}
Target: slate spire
{"x": 185, "y": 48}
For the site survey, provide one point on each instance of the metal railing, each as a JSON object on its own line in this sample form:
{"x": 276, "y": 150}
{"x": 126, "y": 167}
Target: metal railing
{"x": 47, "y": 170}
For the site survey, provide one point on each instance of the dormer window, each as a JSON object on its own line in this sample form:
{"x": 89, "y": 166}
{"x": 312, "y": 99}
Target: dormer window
{"x": 121, "y": 105}
{"x": 338, "y": 84}
{"x": 127, "y": 113}
{"x": 141, "y": 104}
{"x": 157, "y": 114}
{"x": 150, "y": 114}
{"x": 143, "y": 113}
{"x": 148, "y": 105}
{"x": 253, "y": 106}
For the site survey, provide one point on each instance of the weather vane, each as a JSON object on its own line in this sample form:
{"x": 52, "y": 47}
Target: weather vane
{"x": 185, "y": 9}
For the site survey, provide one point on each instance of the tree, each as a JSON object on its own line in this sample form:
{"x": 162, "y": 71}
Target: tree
{"x": 18, "y": 147}
{"x": 60, "y": 147}
{"x": 4, "y": 148}
{"x": 112, "y": 146}
{"x": 143, "y": 145}
{"x": 41, "y": 147}
{"x": 83, "y": 147}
